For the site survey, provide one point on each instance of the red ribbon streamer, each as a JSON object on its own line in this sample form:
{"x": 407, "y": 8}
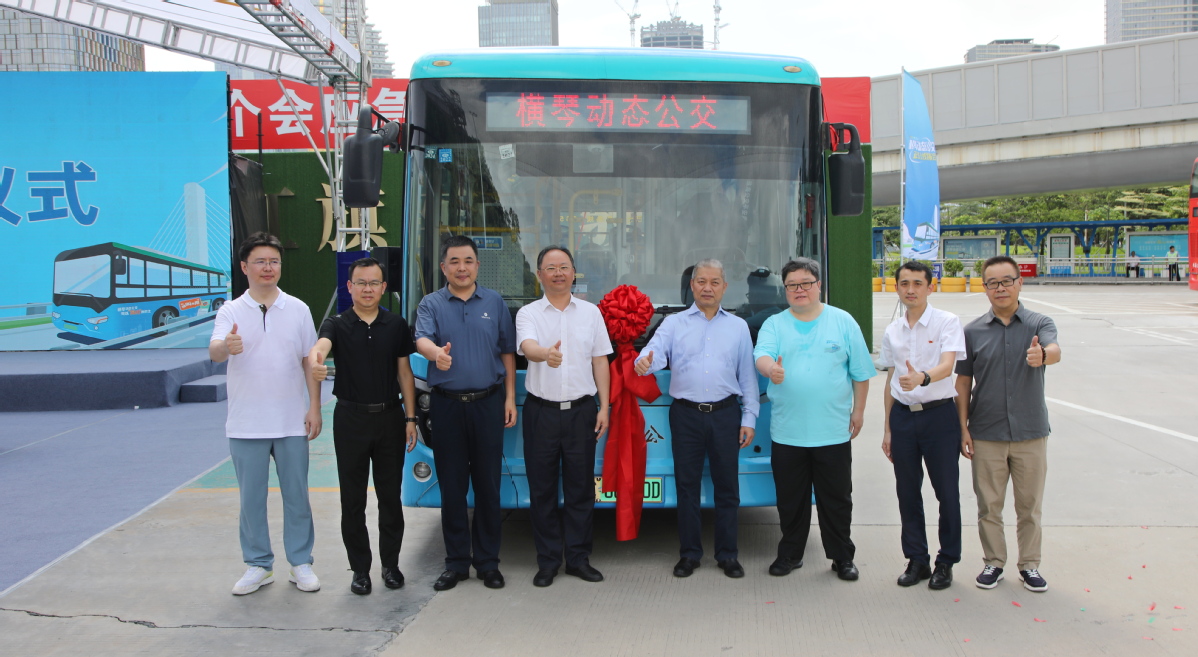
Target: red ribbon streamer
{"x": 626, "y": 313}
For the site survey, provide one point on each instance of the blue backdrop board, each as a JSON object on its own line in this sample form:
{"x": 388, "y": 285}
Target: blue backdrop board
{"x": 114, "y": 209}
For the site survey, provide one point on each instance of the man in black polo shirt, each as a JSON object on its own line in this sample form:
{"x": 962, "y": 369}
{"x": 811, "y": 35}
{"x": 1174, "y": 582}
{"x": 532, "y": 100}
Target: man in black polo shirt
{"x": 371, "y": 347}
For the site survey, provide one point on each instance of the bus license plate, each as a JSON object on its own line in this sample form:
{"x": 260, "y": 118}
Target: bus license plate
{"x": 653, "y": 491}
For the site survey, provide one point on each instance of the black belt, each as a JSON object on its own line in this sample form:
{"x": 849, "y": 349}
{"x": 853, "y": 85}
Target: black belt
{"x": 467, "y": 395}
{"x": 561, "y": 406}
{"x": 369, "y": 408}
{"x": 708, "y": 407}
{"x": 926, "y": 406}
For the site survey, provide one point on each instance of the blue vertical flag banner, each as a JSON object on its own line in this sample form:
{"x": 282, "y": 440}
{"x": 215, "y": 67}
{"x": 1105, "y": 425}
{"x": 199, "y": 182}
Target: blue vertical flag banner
{"x": 114, "y": 209}
{"x": 921, "y": 191}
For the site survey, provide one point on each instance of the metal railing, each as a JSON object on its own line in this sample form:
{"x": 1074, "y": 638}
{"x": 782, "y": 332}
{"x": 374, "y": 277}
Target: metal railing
{"x": 1112, "y": 267}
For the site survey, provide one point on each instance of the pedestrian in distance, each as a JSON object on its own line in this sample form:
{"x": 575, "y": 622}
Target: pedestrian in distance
{"x": 371, "y": 424}
{"x": 819, "y": 369}
{"x": 714, "y": 413}
{"x": 1004, "y": 419}
{"x": 1171, "y": 259}
{"x": 466, "y": 333}
{"x": 921, "y": 426}
{"x": 565, "y": 413}
{"x": 265, "y": 334}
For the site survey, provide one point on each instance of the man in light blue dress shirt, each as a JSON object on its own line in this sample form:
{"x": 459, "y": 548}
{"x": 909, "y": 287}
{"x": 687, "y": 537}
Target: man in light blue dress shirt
{"x": 714, "y": 386}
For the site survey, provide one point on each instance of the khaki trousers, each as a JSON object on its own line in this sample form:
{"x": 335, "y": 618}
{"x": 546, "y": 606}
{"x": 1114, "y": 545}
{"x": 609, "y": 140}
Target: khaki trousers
{"x": 1025, "y": 464}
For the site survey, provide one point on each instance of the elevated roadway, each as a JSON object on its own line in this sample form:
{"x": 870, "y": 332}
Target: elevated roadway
{"x": 1118, "y": 115}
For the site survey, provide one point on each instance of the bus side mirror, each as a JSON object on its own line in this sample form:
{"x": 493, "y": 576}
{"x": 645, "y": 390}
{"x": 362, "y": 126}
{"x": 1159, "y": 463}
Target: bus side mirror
{"x": 362, "y": 173}
{"x": 846, "y": 173}
{"x": 120, "y": 266}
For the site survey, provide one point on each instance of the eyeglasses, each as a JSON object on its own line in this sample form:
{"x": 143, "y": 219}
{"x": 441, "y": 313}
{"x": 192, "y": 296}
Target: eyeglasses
{"x": 795, "y": 287}
{"x": 1002, "y": 282}
{"x": 565, "y": 269}
{"x": 370, "y": 284}
{"x": 262, "y": 262}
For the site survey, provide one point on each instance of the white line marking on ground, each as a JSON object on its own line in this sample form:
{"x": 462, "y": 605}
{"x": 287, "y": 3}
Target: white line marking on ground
{"x": 1050, "y": 305}
{"x": 1120, "y": 418}
{"x": 64, "y": 432}
{"x": 1153, "y": 334}
{"x": 91, "y": 540}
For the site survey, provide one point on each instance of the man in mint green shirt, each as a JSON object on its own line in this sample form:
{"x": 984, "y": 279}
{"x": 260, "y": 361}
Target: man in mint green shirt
{"x": 819, "y": 369}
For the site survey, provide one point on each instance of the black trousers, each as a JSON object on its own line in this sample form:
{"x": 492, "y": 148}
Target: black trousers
{"x": 468, "y": 450}
{"x": 931, "y": 438}
{"x": 362, "y": 440}
{"x": 830, "y": 470}
{"x": 1174, "y": 274}
{"x": 561, "y": 443}
{"x": 695, "y": 437}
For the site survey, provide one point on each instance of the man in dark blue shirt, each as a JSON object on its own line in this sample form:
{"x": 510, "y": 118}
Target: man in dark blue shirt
{"x": 467, "y": 334}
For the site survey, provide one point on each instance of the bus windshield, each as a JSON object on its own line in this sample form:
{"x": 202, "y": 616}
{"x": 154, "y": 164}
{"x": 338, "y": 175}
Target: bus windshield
{"x": 90, "y": 276}
{"x": 635, "y": 192}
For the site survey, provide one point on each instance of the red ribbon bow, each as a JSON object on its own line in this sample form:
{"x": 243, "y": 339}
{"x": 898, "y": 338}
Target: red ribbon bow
{"x": 626, "y": 312}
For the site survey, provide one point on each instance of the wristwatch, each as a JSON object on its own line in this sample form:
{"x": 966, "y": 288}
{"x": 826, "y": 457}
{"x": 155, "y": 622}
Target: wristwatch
{"x": 413, "y": 420}
{"x": 927, "y": 378}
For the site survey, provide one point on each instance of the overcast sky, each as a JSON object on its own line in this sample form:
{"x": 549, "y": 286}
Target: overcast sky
{"x": 861, "y": 38}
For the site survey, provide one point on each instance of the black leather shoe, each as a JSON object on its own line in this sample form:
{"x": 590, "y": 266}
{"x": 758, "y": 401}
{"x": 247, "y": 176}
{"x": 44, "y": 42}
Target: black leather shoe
{"x": 449, "y": 579}
{"x": 782, "y": 567}
{"x": 731, "y": 568}
{"x": 392, "y": 578}
{"x": 846, "y": 570}
{"x": 492, "y": 579}
{"x": 544, "y": 577}
{"x": 942, "y": 578}
{"x": 361, "y": 584}
{"x": 685, "y": 567}
{"x": 586, "y": 572}
{"x": 914, "y": 574}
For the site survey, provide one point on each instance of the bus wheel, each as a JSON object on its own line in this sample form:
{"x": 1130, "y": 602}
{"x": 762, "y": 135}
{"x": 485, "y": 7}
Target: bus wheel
{"x": 163, "y": 316}
{"x": 216, "y": 304}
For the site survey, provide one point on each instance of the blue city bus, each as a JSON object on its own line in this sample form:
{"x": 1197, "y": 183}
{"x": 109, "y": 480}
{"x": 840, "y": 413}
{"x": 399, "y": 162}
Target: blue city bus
{"x": 110, "y": 290}
{"x": 642, "y": 162}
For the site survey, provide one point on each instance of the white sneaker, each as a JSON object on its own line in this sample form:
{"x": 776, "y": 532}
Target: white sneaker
{"x": 254, "y": 578}
{"x": 304, "y": 578}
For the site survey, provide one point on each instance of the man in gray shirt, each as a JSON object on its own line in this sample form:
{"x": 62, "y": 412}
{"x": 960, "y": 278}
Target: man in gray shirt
{"x": 1004, "y": 419}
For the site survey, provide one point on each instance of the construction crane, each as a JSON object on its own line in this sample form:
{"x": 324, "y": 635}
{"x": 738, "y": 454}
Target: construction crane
{"x": 632, "y": 16}
{"x": 715, "y": 30}
{"x": 673, "y": 10}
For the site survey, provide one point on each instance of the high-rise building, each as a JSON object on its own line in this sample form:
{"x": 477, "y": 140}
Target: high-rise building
{"x": 1128, "y": 20}
{"x": 28, "y": 43}
{"x": 374, "y": 49}
{"x": 674, "y": 33}
{"x": 517, "y": 23}
{"x": 1000, "y": 48}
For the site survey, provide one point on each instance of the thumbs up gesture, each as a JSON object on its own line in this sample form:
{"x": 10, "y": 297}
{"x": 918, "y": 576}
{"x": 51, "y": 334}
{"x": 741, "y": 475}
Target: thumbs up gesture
{"x": 233, "y": 342}
{"x": 553, "y": 357}
{"x": 643, "y": 365}
{"x": 1035, "y": 353}
{"x": 911, "y": 380}
{"x": 444, "y": 360}
{"x": 316, "y": 365}
{"x": 777, "y": 372}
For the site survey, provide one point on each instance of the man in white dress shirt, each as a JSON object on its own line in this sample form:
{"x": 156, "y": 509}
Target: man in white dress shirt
{"x": 920, "y": 348}
{"x": 566, "y": 344}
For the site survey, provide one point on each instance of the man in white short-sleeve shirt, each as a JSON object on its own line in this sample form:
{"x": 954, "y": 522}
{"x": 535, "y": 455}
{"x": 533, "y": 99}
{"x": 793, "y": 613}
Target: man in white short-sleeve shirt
{"x": 566, "y": 344}
{"x": 265, "y": 334}
{"x": 920, "y": 348}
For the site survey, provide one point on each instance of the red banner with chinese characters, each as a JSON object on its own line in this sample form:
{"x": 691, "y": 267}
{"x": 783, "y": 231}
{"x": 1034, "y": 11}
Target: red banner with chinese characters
{"x": 846, "y": 100}
{"x": 280, "y": 127}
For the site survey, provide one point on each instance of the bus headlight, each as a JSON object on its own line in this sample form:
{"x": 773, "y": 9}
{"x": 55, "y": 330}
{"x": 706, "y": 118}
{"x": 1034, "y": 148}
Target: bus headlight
{"x": 422, "y": 471}
{"x": 422, "y": 400}
{"x": 56, "y": 315}
{"x": 96, "y": 321}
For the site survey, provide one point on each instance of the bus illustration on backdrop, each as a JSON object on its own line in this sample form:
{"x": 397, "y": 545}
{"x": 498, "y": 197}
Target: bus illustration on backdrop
{"x": 107, "y": 291}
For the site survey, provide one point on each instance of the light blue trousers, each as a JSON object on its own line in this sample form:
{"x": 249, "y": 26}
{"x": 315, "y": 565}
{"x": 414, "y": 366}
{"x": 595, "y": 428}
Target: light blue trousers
{"x": 251, "y": 460}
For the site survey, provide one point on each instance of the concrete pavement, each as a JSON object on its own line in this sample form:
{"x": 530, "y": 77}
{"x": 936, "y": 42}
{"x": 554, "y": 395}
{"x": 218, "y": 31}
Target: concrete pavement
{"x": 1119, "y": 549}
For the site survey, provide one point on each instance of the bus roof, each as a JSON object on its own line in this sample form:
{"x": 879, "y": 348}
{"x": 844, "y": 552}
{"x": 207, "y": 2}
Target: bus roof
{"x": 555, "y": 63}
{"x": 168, "y": 258}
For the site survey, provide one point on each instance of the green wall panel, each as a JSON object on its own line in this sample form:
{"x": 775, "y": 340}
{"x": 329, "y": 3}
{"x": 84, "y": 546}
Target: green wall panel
{"x": 850, "y": 285}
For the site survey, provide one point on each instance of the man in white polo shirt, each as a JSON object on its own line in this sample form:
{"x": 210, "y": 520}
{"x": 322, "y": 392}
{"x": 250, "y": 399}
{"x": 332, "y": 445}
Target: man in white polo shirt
{"x": 265, "y": 334}
{"x": 566, "y": 344}
{"x": 920, "y": 348}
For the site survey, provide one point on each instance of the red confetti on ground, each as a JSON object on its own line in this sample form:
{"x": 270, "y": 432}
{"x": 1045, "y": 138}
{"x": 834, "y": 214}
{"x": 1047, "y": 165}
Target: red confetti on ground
{"x": 1143, "y": 526}
{"x": 1129, "y": 577}
{"x": 1016, "y": 603}
{"x": 1152, "y": 607}
{"x": 770, "y": 602}
{"x": 1177, "y": 629}
{"x": 1144, "y": 566}
{"x": 1087, "y": 590}
{"x": 1178, "y": 607}
{"x": 956, "y": 599}
{"x": 1039, "y": 620}
{"x": 966, "y": 640}
{"x": 1147, "y": 638}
